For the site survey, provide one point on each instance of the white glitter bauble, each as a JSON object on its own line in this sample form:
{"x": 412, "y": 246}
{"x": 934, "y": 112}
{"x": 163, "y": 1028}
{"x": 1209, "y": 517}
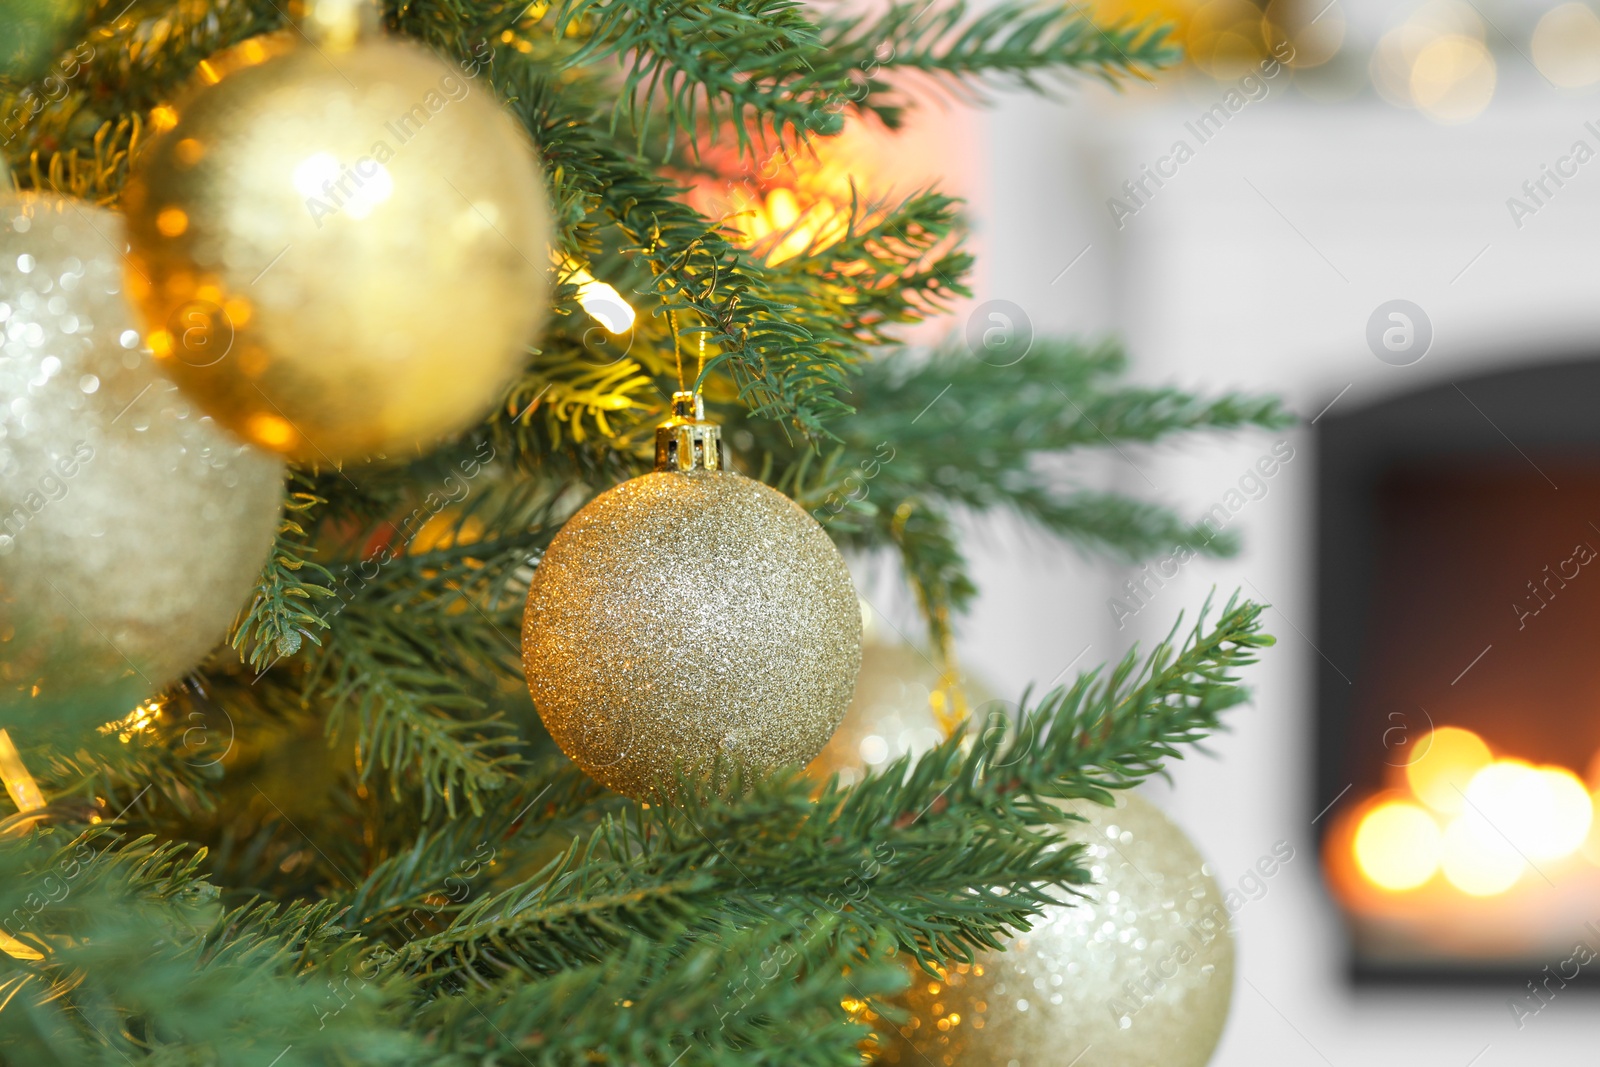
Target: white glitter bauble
{"x": 132, "y": 528}
{"x": 1140, "y": 976}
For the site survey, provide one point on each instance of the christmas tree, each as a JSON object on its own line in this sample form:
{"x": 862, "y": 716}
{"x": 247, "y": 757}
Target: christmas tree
{"x": 346, "y": 836}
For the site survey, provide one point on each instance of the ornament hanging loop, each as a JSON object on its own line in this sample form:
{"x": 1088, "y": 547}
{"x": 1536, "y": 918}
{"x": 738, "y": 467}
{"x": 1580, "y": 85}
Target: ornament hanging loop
{"x": 336, "y": 24}
{"x": 686, "y": 441}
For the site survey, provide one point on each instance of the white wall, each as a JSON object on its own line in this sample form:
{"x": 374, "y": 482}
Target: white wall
{"x": 1257, "y": 267}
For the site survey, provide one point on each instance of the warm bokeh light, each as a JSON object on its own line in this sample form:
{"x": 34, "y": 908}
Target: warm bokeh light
{"x": 1477, "y": 863}
{"x": 373, "y": 184}
{"x": 798, "y": 201}
{"x": 1228, "y": 38}
{"x": 1314, "y": 31}
{"x": 1591, "y": 842}
{"x": 446, "y": 530}
{"x": 781, "y": 227}
{"x": 315, "y": 172}
{"x": 1224, "y": 37}
{"x": 1397, "y": 845}
{"x": 1445, "y": 761}
{"x": 172, "y": 221}
{"x": 270, "y": 430}
{"x": 189, "y": 151}
{"x": 1571, "y": 814}
{"x": 1566, "y": 46}
{"x": 1501, "y": 817}
{"x": 1453, "y": 78}
{"x": 1504, "y": 799}
{"x": 137, "y": 721}
{"x": 1544, "y": 812}
{"x": 1437, "y": 61}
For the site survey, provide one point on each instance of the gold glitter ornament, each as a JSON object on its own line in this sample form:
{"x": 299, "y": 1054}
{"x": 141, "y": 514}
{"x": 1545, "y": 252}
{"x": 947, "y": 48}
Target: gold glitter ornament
{"x": 690, "y": 614}
{"x": 132, "y": 527}
{"x": 339, "y": 246}
{"x": 1140, "y": 976}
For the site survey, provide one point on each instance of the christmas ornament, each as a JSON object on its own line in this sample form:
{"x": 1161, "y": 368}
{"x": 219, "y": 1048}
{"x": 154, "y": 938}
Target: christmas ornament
{"x": 902, "y": 704}
{"x": 131, "y": 526}
{"x": 687, "y": 615}
{"x": 891, "y": 715}
{"x": 340, "y": 247}
{"x": 1140, "y": 976}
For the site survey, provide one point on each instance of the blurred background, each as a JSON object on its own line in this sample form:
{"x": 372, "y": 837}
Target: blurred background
{"x": 1391, "y": 225}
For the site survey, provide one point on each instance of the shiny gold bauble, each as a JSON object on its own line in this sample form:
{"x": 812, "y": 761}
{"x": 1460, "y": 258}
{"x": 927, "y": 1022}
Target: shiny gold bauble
{"x": 1140, "y": 976}
{"x": 682, "y": 617}
{"x": 132, "y": 527}
{"x": 339, "y": 253}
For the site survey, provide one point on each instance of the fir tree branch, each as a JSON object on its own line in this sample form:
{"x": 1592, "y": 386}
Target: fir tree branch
{"x": 164, "y": 760}
{"x": 405, "y": 708}
{"x": 137, "y": 957}
{"x": 894, "y": 265}
{"x": 431, "y": 875}
{"x": 1112, "y": 732}
{"x": 130, "y": 59}
{"x": 282, "y": 612}
{"x": 943, "y": 855}
{"x": 896, "y": 480}
{"x": 763, "y": 995}
{"x": 1057, "y": 397}
{"x": 570, "y": 914}
{"x": 583, "y": 398}
{"x": 491, "y": 904}
{"x": 786, "y": 369}
{"x": 1108, "y": 732}
{"x": 1019, "y": 42}
{"x": 1119, "y": 526}
{"x": 931, "y": 557}
{"x": 706, "y": 63}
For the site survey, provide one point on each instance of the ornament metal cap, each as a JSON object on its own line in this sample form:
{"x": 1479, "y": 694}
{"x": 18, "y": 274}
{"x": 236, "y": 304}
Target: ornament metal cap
{"x": 686, "y": 441}
{"x": 336, "y": 24}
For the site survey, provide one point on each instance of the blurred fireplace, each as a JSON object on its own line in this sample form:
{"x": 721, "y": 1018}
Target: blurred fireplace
{"x": 1458, "y": 627}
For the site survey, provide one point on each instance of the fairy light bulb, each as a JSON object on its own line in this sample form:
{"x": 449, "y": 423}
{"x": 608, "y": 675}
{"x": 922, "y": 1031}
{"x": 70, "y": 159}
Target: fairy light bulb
{"x": 601, "y": 300}
{"x": 24, "y": 791}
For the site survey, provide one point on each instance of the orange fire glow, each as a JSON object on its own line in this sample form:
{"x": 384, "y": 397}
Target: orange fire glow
{"x": 1470, "y": 820}
{"x": 793, "y": 200}
{"x": 1446, "y": 760}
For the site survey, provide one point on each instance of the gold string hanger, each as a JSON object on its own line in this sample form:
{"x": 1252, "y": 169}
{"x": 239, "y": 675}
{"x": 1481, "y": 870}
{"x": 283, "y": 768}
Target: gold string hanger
{"x": 677, "y": 349}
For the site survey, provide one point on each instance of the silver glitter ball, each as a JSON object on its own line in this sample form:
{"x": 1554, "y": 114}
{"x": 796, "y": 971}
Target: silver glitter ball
{"x": 1140, "y": 975}
{"x": 132, "y": 528}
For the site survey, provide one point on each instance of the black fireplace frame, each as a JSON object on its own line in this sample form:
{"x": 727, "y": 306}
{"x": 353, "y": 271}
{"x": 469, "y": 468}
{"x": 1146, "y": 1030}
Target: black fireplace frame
{"x": 1546, "y": 409}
